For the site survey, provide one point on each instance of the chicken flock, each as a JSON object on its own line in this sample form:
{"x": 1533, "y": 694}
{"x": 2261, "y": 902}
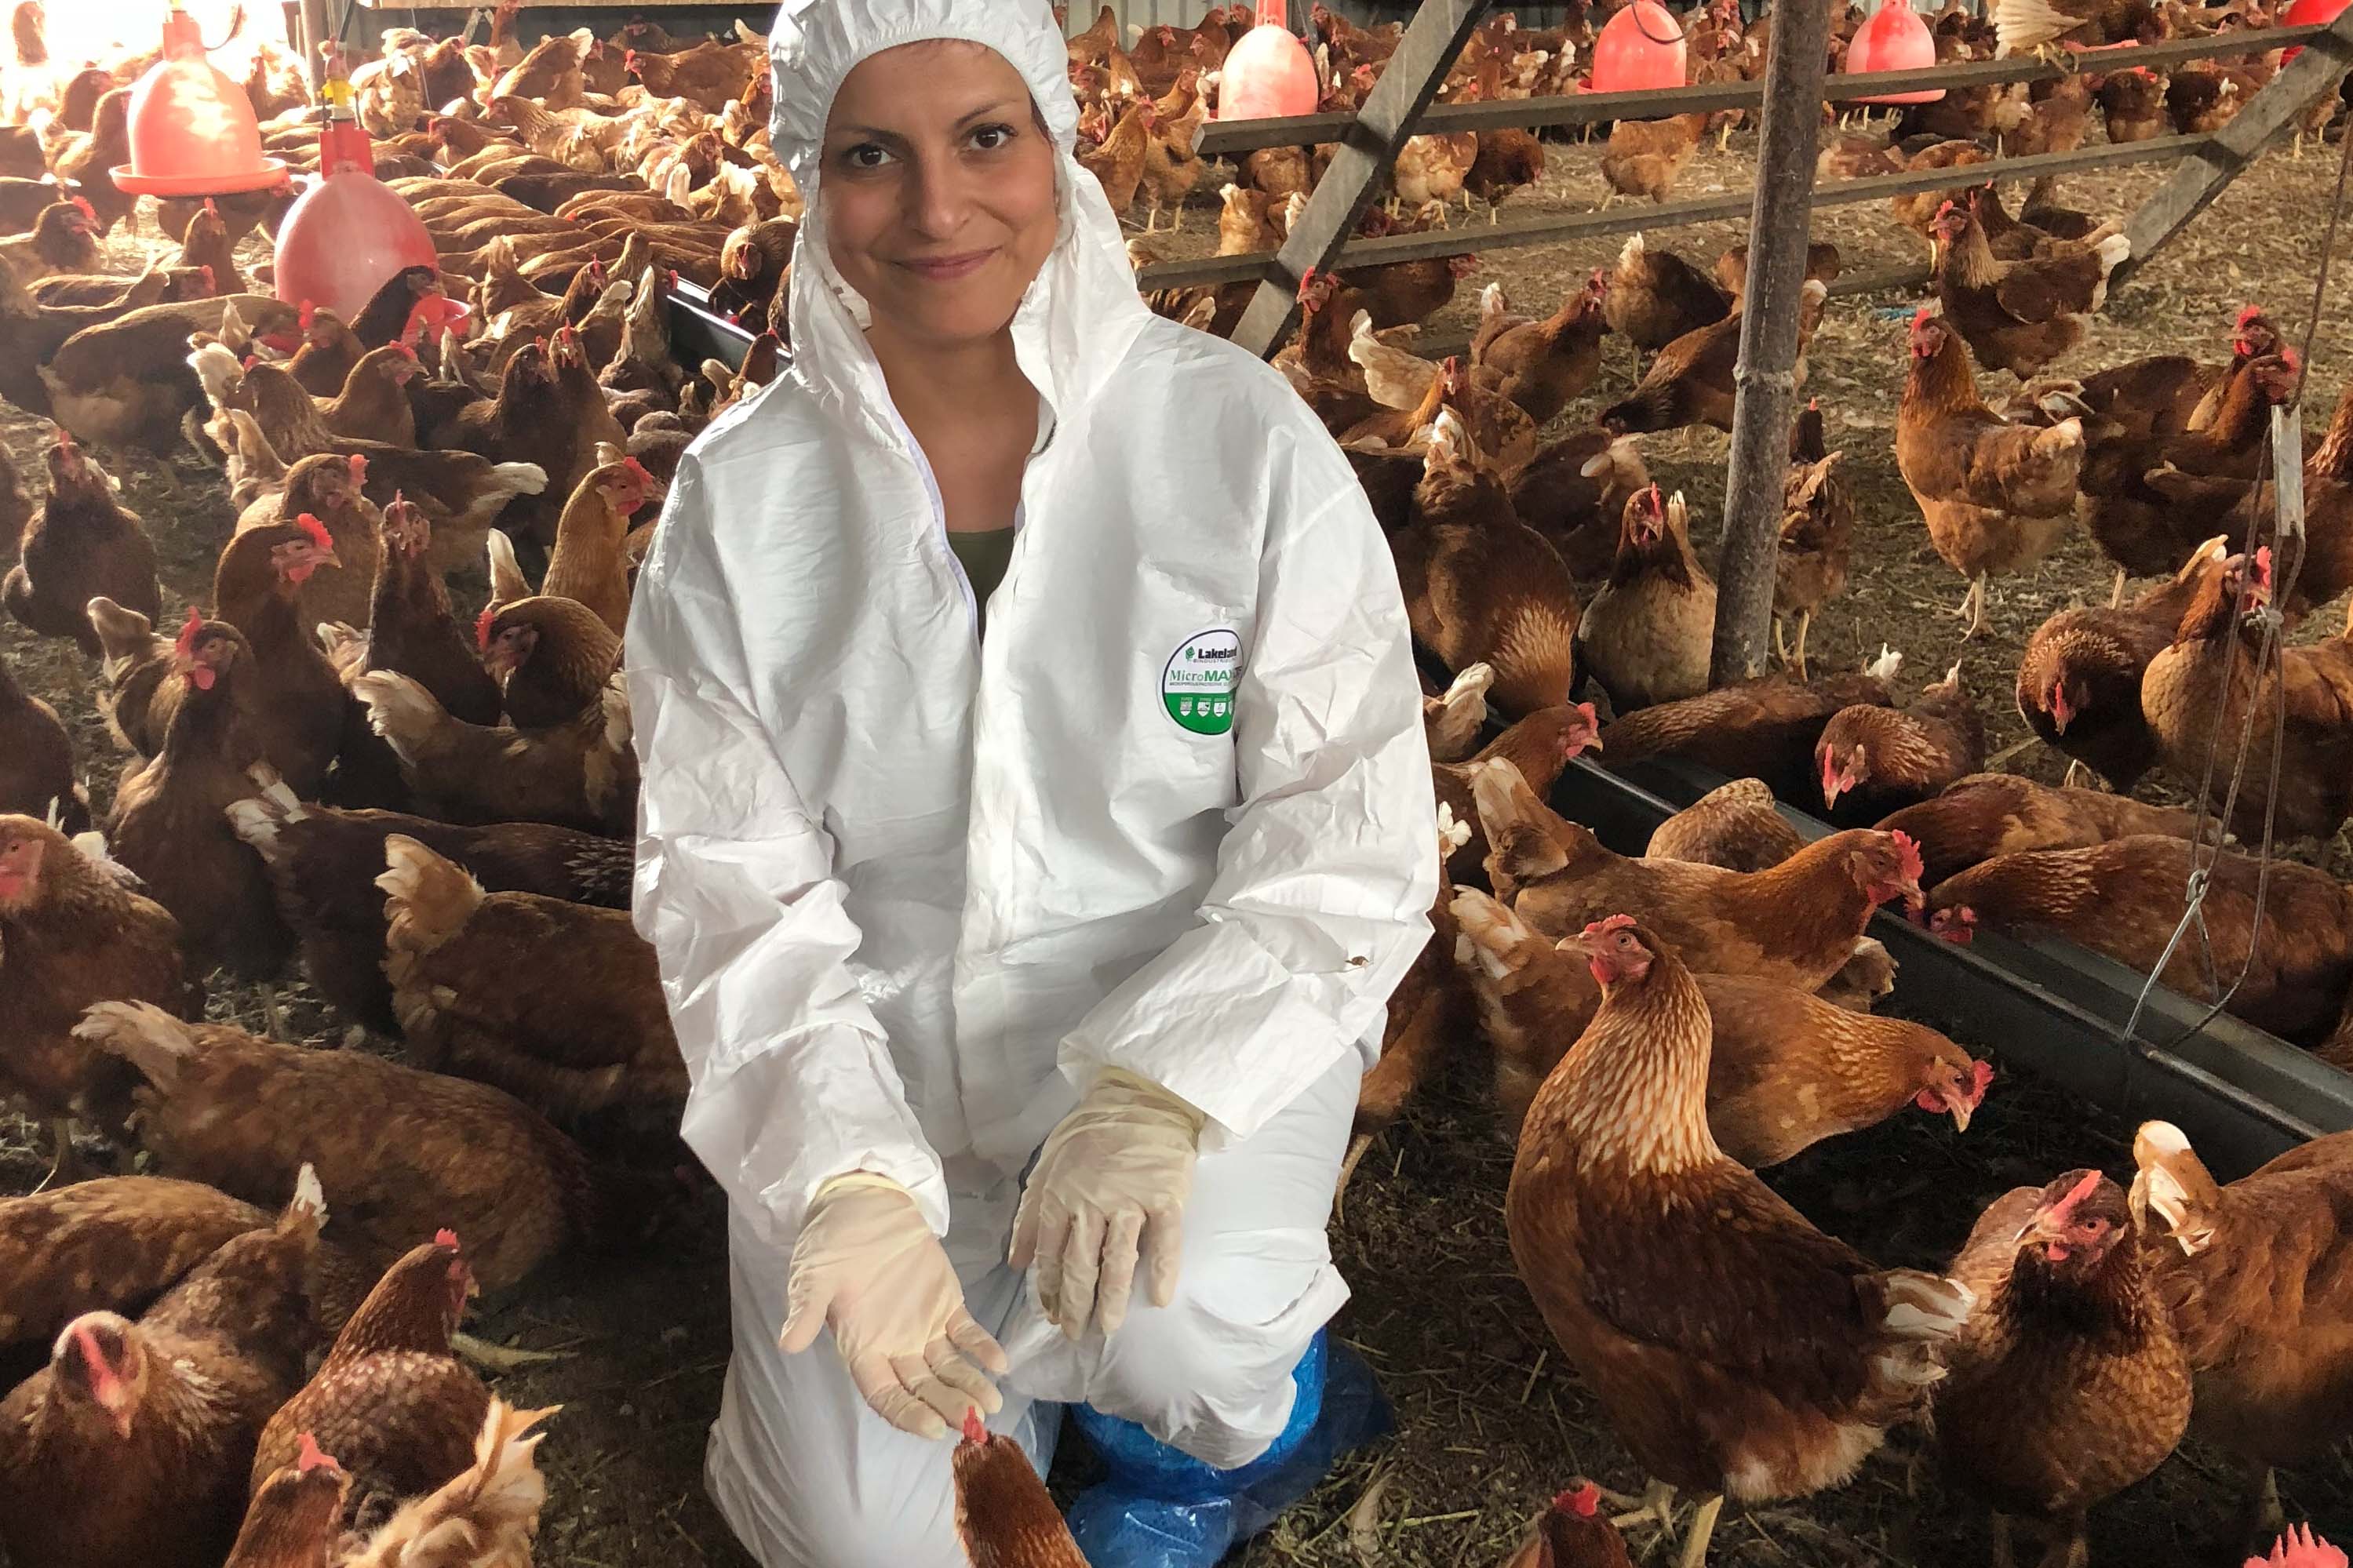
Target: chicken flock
{"x": 252, "y": 1347}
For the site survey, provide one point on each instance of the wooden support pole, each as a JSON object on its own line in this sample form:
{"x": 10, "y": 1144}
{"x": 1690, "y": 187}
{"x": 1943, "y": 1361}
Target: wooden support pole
{"x": 1764, "y": 382}
{"x": 2271, "y": 111}
{"x": 1429, "y": 47}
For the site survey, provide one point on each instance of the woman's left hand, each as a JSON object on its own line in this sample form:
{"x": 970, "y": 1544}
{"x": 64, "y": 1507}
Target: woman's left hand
{"x": 1108, "y": 1191}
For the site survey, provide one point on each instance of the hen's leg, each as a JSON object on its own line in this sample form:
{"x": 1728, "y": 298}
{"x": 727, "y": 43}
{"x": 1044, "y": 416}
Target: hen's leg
{"x": 2068, "y": 1548}
{"x": 2074, "y": 766}
{"x": 1656, "y": 1506}
{"x": 1972, "y": 608}
{"x": 2264, "y": 1519}
{"x": 1781, "y": 648}
{"x": 494, "y": 1358}
{"x": 65, "y": 1164}
{"x": 1703, "y": 1527}
{"x": 2004, "y": 1556}
{"x": 2117, "y": 594}
{"x": 1805, "y": 622}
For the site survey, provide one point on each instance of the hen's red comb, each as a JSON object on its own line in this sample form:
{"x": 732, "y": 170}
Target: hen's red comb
{"x": 2064, "y": 1209}
{"x": 974, "y": 1432}
{"x": 1980, "y": 1078}
{"x": 305, "y": 313}
{"x": 316, "y": 530}
{"x": 482, "y": 628}
{"x": 637, "y": 470}
{"x": 1608, "y": 923}
{"x": 1907, "y": 855}
{"x": 359, "y": 469}
{"x": 445, "y": 1237}
{"x": 188, "y": 630}
{"x": 1584, "y": 1500}
{"x": 309, "y": 1457}
{"x": 2248, "y": 313}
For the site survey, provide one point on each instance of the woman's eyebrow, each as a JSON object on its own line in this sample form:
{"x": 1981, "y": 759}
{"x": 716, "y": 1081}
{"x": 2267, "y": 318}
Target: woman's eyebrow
{"x": 998, "y": 107}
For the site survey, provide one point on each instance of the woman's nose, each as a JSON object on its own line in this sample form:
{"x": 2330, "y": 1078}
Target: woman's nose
{"x": 938, "y": 197}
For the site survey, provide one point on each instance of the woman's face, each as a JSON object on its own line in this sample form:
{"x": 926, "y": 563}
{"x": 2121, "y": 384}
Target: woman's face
{"x": 938, "y": 186}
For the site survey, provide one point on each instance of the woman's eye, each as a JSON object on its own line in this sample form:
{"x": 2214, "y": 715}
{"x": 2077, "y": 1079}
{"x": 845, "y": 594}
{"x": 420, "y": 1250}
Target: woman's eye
{"x": 989, "y": 138}
{"x": 865, "y": 155}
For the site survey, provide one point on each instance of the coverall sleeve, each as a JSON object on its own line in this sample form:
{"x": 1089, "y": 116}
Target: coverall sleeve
{"x": 1321, "y": 900}
{"x": 791, "y": 1078}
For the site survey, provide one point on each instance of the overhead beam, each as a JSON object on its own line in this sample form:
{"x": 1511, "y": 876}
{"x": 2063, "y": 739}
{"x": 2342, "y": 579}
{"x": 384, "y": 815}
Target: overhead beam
{"x": 1224, "y": 138}
{"x": 1477, "y": 239}
{"x": 2303, "y": 81}
{"x": 1368, "y": 148}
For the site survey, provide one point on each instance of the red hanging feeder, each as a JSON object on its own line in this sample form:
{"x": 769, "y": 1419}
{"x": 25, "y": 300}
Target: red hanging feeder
{"x": 1269, "y": 74}
{"x": 349, "y": 234}
{"x": 192, "y": 129}
{"x": 1640, "y": 50}
{"x": 1893, "y": 38}
{"x": 2310, "y": 13}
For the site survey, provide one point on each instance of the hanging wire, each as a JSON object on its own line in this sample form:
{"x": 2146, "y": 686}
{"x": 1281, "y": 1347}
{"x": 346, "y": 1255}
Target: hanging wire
{"x": 236, "y": 26}
{"x": 2267, "y": 664}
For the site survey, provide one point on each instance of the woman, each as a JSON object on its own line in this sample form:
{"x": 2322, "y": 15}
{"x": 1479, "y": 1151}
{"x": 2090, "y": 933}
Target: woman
{"x": 1034, "y": 791}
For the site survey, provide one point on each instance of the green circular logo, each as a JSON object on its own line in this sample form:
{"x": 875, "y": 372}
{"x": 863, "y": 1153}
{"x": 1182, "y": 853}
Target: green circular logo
{"x": 1199, "y": 683}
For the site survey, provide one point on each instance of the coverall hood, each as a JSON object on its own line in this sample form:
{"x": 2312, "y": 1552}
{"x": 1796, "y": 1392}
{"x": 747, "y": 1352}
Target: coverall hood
{"x": 1082, "y": 311}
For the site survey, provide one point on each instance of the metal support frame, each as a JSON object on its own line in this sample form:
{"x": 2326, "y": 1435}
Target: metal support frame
{"x": 2317, "y": 71}
{"x": 1765, "y": 388}
{"x": 1625, "y": 218}
{"x": 1369, "y": 147}
{"x": 1399, "y": 107}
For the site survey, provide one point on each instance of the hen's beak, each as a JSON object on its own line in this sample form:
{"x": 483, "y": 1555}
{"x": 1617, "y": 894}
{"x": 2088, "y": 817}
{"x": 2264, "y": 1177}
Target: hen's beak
{"x": 1960, "y": 1112}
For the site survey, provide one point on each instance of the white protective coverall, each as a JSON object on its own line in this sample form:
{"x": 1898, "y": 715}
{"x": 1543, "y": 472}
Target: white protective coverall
{"x": 910, "y": 890}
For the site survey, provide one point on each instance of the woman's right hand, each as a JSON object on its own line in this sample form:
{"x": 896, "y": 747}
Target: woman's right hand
{"x": 868, "y": 1266}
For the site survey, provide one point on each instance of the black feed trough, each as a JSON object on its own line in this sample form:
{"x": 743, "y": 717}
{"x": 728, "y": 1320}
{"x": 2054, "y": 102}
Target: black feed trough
{"x": 2049, "y": 1006}
{"x": 697, "y": 332}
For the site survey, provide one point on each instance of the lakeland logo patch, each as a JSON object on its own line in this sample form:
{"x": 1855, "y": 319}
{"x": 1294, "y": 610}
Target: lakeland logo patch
{"x": 1199, "y": 683}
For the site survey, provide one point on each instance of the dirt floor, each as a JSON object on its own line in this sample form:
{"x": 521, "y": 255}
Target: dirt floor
{"x": 1489, "y": 1423}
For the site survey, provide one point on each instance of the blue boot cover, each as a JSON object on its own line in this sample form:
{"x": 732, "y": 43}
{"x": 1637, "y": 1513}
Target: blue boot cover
{"x": 1161, "y": 1507}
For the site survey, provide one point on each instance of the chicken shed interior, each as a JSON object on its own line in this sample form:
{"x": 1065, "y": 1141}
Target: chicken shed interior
{"x": 625, "y": 1326}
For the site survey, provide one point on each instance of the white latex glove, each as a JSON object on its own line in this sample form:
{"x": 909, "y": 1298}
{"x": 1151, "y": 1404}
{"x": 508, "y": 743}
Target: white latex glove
{"x": 1109, "y": 1188}
{"x": 867, "y": 1264}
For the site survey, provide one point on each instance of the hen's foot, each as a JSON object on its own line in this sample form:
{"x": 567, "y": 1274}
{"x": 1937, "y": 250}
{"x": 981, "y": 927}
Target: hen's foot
{"x": 489, "y": 1357}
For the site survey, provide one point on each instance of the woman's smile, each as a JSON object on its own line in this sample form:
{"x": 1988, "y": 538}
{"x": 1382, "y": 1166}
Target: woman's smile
{"x": 948, "y": 268}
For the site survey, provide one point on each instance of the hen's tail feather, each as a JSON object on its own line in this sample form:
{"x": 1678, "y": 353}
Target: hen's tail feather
{"x": 427, "y": 900}
{"x": 308, "y": 1207}
{"x": 217, "y": 369}
{"x": 145, "y": 1035}
{"x": 519, "y": 479}
{"x": 257, "y": 818}
{"x": 2021, "y": 24}
{"x": 1488, "y": 934}
{"x": 483, "y": 1519}
{"x": 1920, "y": 1314}
{"x": 399, "y": 709}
